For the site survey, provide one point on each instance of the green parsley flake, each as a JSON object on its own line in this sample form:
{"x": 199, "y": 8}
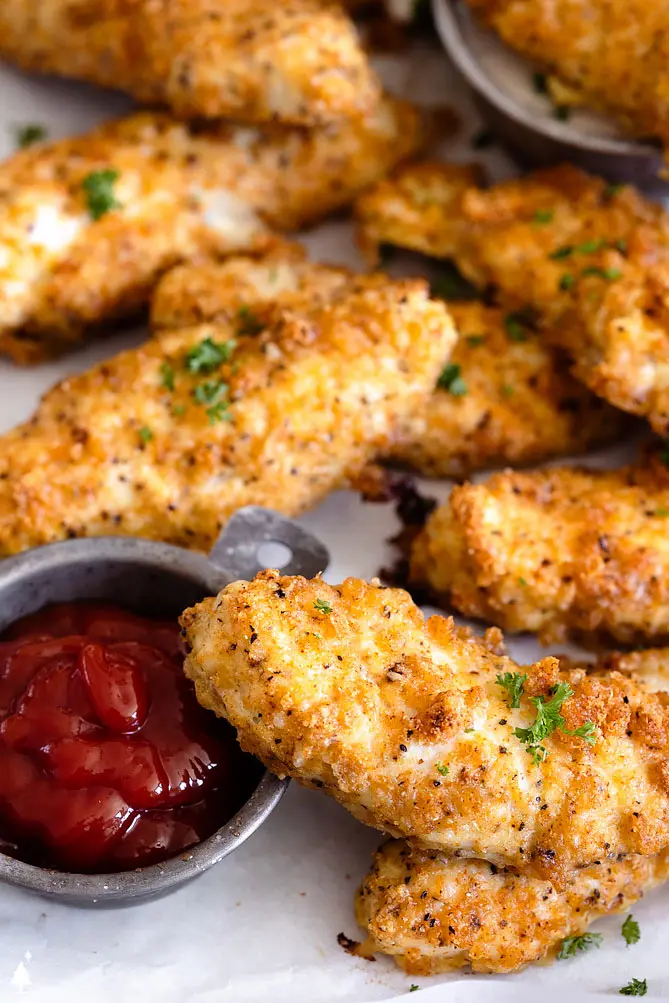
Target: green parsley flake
{"x": 630, "y": 931}
{"x": 413, "y": 988}
{"x": 507, "y": 390}
{"x": 442, "y": 769}
{"x": 543, "y": 216}
{"x": 513, "y": 683}
{"x": 209, "y": 355}
{"x": 178, "y": 410}
{"x": 562, "y": 252}
{"x": 637, "y": 987}
{"x": 548, "y": 720}
{"x": 661, "y": 512}
{"x": 219, "y": 412}
{"x": 145, "y": 434}
{"x": 27, "y": 135}
{"x": 99, "y": 191}
{"x": 323, "y": 606}
{"x": 475, "y": 339}
{"x": 452, "y": 381}
{"x": 566, "y": 281}
{"x": 612, "y": 190}
{"x": 602, "y": 273}
{"x": 167, "y": 376}
{"x": 590, "y": 246}
{"x": 247, "y": 322}
{"x": 451, "y": 285}
{"x": 517, "y": 324}
{"x": 211, "y": 392}
{"x": 573, "y": 945}
{"x": 620, "y": 245}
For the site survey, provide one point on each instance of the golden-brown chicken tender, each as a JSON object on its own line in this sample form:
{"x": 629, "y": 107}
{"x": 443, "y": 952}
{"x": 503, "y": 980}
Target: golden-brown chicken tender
{"x": 298, "y": 61}
{"x": 555, "y": 551}
{"x": 584, "y": 263}
{"x": 178, "y": 192}
{"x": 348, "y": 689}
{"x": 435, "y": 913}
{"x": 275, "y": 406}
{"x": 502, "y": 402}
{"x": 613, "y": 57}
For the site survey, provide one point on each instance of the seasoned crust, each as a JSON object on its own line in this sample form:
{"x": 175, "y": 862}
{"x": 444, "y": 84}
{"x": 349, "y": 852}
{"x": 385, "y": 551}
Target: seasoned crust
{"x": 555, "y": 551}
{"x": 298, "y": 61}
{"x": 610, "y": 56}
{"x": 521, "y": 405}
{"x": 184, "y": 192}
{"x": 590, "y": 259}
{"x": 403, "y": 722}
{"x": 435, "y": 913}
{"x": 317, "y": 385}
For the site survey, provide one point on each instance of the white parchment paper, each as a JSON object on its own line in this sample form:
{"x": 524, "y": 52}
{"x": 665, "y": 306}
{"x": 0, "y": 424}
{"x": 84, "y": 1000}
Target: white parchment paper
{"x": 263, "y": 925}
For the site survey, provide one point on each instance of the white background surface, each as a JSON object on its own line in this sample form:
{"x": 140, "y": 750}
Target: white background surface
{"x": 262, "y": 926}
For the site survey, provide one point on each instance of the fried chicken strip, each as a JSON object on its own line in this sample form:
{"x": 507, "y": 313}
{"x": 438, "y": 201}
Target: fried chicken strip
{"x": 435, "y": 913}
{"x": 298, "y": 61}
{"x": 613, "y": 57}
{"x": 178, "y": 192}
{"x": 502, "y": 402}
{"x": 274, "y": 406}
{"x": 583, "y": 263}
{"x": 349, "y": 689}
{"x": 557, "y": 552}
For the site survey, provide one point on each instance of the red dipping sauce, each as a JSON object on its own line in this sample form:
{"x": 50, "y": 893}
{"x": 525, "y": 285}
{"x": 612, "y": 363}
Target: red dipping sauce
{"x": 107, "y": 761}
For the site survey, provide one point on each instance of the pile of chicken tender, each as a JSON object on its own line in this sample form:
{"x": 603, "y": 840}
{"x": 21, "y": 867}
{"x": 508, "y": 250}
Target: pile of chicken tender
{"x": 521, "y": 802}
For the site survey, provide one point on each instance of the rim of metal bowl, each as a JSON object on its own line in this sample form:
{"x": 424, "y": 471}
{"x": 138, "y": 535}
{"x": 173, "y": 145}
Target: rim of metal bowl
{"x": 155, "y": 878}
{"x": 446, "y": 20}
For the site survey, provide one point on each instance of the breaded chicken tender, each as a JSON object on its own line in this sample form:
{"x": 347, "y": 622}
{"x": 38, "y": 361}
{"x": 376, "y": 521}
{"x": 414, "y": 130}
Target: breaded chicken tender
{"x": 500, "y": 402}
{"x": 80, "y": 247}
{"x": 435, "y": 913}
{"x": 298, "y": 61}
{"x": 583, "y": 263}
{"x": 611, "y": 56}
{"x": 275, "y": 406}
{"x": 403, "y": 721}
{"x": 559, "y": 552}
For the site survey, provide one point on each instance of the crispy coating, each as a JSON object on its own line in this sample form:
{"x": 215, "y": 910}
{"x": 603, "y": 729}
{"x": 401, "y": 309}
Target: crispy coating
{"x": 521, "y": 404}
{"x": 558, "y": 551}
{"x": 142, "y": 445}
{"x": 611, "y": 56}
{"x": 298, "y": 61}
{"x": 349, "y": 689}
{"x": 182, "y": 192}
{"x": 435, "y": 913}
{"x": 590, "y": 260}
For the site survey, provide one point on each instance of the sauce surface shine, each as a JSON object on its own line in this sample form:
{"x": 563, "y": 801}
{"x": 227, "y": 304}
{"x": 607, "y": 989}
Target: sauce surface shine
{"x": 107, "y": 761}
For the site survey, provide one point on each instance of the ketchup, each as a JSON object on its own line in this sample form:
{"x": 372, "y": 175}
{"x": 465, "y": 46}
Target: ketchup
{"x": 107, "y": 761}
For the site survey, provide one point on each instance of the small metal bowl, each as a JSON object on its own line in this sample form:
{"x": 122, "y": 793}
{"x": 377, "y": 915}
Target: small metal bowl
{"x": 153, "y": 579}
{"x": 537, "y": 140}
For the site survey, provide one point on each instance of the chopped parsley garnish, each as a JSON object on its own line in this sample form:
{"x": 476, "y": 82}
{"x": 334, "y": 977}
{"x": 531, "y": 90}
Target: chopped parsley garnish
{"x": 543, "y": 216}
{"x": 661, "y": 511}
{"x": 413, "y": 988}
{"x": 167, "y": 376}
{"x": 442, "y": 769}
{"x": 517, "y": 324}
{"x": 323, "y": 606}
{"x": 178, "y": 409}
{"x": 612, "y": 190}
{"x": 507, "y": 390}
{"x": 620, "y": 245}
{"x": 247, "y": 322}
{"x": 208, "y": 355}
{"x": 562, "y": 252}
{"x": 451, "y": 285}
{"x": 566, "y": 281}
{"x": 26, "y": 135}
{"x": 602, "y": 273}
{"x": 573, "y": 945}
{"x": 99, "y": 190}
{"x": 452, "y": 381}
{"x": 219, "y": 412}
{"x": 211, "y": 392}
{"x": 548, "y": 720}
{"x": 475, "y": 339}
{"x": 145, "y": 434}
{"x": 513, "y": 683}
{"x": 590, "y": 246}
{"x": 522, "y": 582}
{"x": 637, "y": 987}
{"x": 540, "y": 83}
{"x": 482, "y": 139}
{"x": 562, "y": 112}
{"x": 630, "y": 931}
